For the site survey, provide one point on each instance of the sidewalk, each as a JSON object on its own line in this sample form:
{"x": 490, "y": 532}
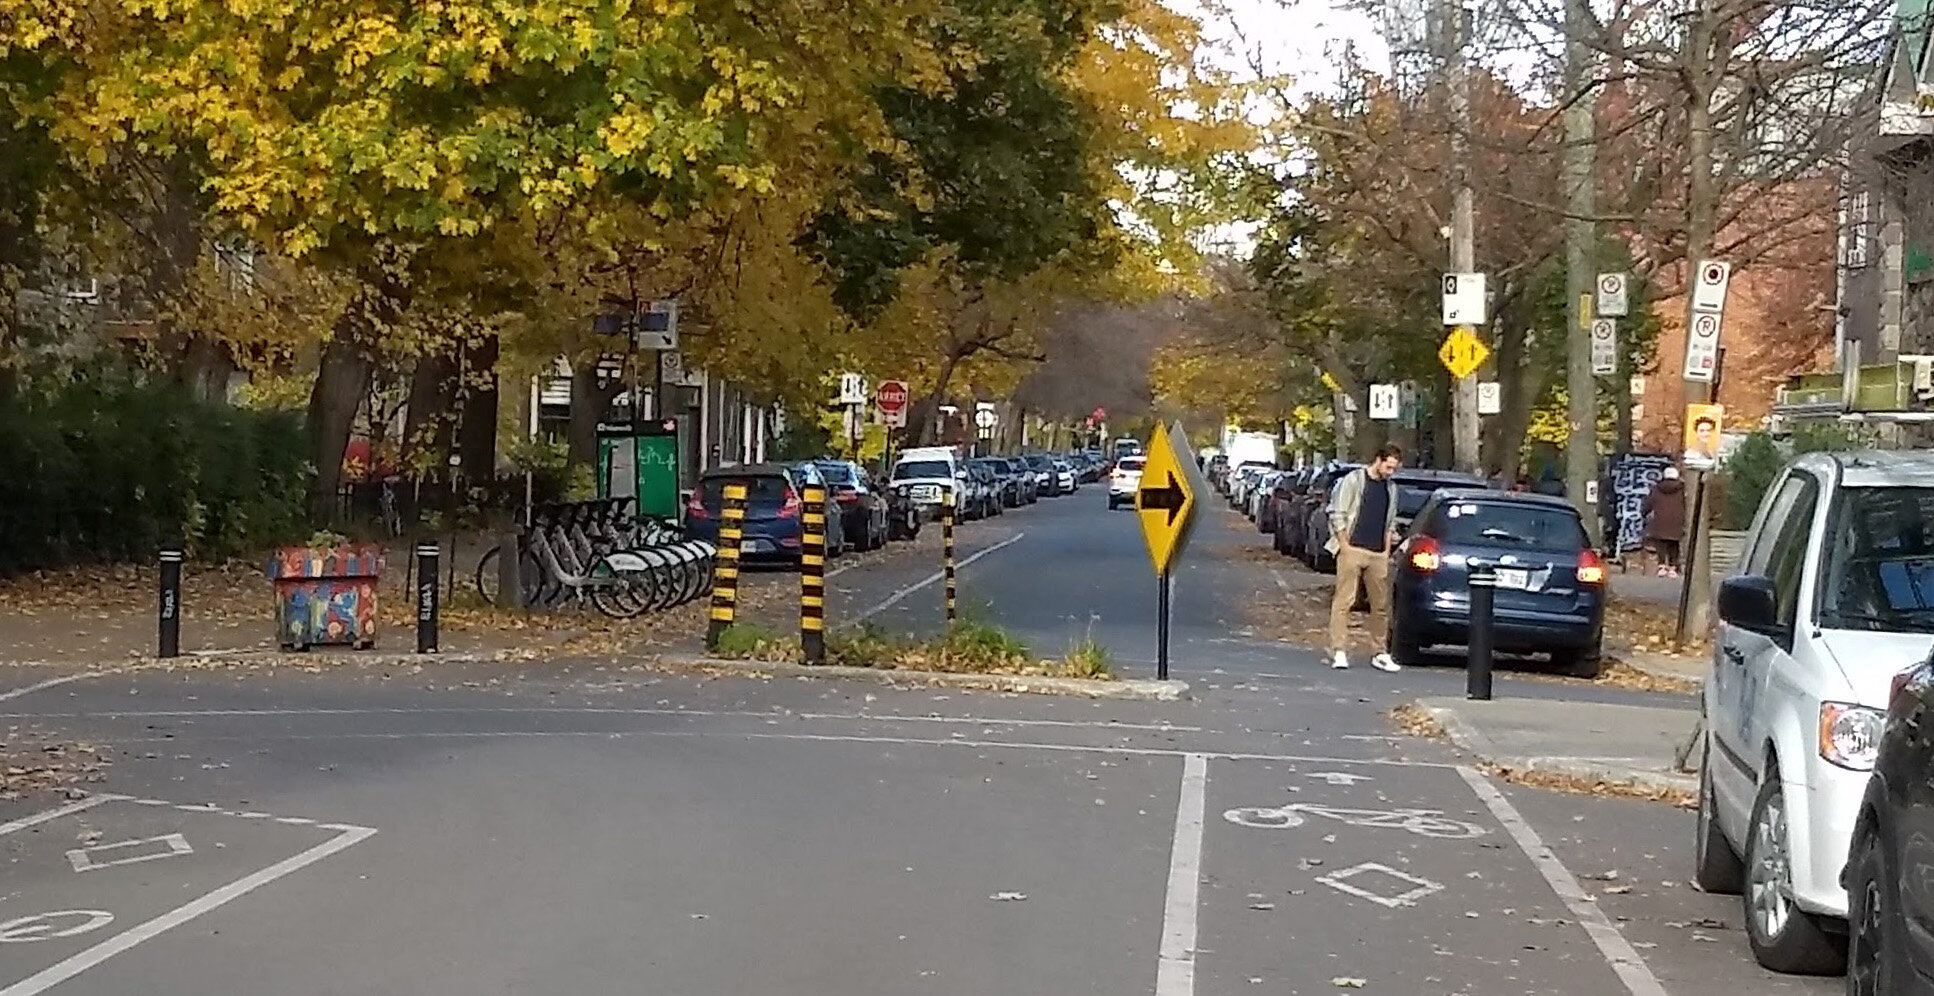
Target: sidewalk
{"x": 1635, "y": 745}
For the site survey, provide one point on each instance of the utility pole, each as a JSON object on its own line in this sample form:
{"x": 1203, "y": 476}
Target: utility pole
{"x": 1702, "y": 209}
{"x": 1581, "y": 258}
{"x": 1451, "y": 27}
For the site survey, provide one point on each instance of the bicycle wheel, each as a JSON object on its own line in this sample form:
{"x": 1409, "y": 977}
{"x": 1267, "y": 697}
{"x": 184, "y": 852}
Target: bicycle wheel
{"x": 610, "y": 592}
{"x": 487, "y": 575}
{"x": 1264, "y": 818}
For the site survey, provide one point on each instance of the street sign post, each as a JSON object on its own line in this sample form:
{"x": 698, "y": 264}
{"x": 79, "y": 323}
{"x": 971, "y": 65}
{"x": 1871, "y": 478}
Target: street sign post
{"x": 1463, "y": 352}
{"x": 1702, "y": 347}
{"x": 1386, "y": 401}
{"x": 1464, "y": 299}
{"x": 1604, "y": 347}
{"x": 852, "y": 389}
{"x": 1165, "y": 504}
{"x": 1613, "y": 302}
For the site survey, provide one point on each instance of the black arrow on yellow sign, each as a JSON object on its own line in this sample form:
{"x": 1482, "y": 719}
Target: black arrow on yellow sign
{"x": 1171, "y": 499}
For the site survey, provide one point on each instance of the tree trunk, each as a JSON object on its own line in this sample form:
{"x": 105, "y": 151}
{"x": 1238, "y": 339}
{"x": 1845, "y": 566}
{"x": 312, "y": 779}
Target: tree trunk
{"x": 477, "y": 432}
{"x": 924, "y": 418}
{"x": 429, "y": 422}
{"x": 1518, "y": 390}
{"x": 342, "y": 382}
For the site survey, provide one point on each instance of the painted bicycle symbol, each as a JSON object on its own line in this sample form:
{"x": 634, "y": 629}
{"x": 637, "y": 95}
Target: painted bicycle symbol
{"x": 1422, "y": 822}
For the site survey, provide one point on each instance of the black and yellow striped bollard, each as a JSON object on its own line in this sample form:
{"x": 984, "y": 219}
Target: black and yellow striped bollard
{"x": 725, "y": 573}
{"x": 812, "y": 577}
{"x": 947, "y": 549}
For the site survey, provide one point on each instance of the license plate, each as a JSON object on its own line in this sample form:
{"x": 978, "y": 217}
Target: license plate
{"x": 1514, "y": 579}
{"x": 748, "y": 546}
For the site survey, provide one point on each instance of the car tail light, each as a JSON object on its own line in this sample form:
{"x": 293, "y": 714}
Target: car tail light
{"x": 695, "y": 508}
{"x": 1425, "y": 555}
{"x": 792, "y": 507}
{"x": 847, "y": 496}
{"x": 1591, "y": 567}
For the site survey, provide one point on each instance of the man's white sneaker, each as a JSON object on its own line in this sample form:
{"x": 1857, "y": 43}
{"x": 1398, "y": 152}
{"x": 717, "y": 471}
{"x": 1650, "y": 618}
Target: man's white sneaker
{"x": 1340, "y": 662}
{"x": 1384, "y": 662}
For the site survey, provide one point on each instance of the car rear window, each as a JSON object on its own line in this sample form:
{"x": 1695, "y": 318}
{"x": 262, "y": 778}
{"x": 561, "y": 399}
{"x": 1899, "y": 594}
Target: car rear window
{"x": 1540, "y": 527}
{"x": 759, "y": 490}
{"x": 921, "y": 468}
{"x": 836, "y": 473}
{"x": 1131, "y": 463}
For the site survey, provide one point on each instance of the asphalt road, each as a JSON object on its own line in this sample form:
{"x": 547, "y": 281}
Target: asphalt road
{"x": 601, "y": 827}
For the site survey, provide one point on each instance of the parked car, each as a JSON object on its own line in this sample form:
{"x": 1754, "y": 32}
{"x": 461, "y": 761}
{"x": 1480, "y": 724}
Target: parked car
{"x": 1833, "y": 597}
{"x": 1125, "y": 480}
{"x": 1001, "y": 481}
{"x": 1550, "y": 594}
{"x": 1414, "y": 488}
{"x": 1889, "y": 905}
{"x": 808, "y": 473}
{"x": 773, "y": 525}
{"x": 1027, "y": 488}
{"x": 1316, "y": 515}
{"x": 862, "y": 508}
{"x": 924, "y": 474}
{"x": 1045, "y": 479}
{"x": 1217, "y": 472}
{"x": 1244, "y": 480}
{"x": 1066, "y": 480}
{"x": 1285, "y": 503}
{"x": 1259, "y": 496}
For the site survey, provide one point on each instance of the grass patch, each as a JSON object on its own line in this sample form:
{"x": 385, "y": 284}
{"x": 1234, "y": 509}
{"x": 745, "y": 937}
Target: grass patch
{"x": 970, "y": 646}
{"x": 753, "y": 643}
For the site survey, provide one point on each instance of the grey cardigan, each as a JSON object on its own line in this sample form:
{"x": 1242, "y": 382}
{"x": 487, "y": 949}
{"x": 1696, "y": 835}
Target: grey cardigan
{"x": 1345, "y": 503}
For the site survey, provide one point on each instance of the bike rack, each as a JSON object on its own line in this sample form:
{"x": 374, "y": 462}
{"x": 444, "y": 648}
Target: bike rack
{"x": 596, "y": 551}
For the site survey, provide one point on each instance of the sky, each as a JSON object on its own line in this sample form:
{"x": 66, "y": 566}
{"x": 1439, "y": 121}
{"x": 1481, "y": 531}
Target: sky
{"x": 1295, "y": 37}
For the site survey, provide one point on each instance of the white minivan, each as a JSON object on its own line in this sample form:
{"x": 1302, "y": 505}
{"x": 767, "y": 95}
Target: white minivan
{"x": 1834, "y": 596}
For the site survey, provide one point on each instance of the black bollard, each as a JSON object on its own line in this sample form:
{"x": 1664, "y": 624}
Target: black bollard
{"x": 1477, "y": 674}
{"x": 170, "y": 614}
{"x": 426, "y": 597}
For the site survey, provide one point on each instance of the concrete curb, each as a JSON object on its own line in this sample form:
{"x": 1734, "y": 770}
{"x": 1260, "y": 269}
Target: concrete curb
{"x": 1131, "y": 690}
{"x": 1473, "y": 740}
{"x": 1649, "y": 664}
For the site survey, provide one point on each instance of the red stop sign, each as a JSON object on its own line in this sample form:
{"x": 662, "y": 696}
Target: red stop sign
{"x": 891, "y": 396}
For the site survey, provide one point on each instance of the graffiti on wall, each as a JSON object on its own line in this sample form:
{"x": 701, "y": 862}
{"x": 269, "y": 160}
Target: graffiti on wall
{"x": 1631, "y": 476}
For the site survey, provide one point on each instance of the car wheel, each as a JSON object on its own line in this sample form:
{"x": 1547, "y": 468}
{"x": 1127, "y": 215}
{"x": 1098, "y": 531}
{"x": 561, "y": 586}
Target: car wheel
{"x": 1280, "y": 540}
{"x": 1873, "y": 919}
{"x": 1583, "y": 662}
{"x": 1784, "y": 937}
{"x": 1715, "y": 864}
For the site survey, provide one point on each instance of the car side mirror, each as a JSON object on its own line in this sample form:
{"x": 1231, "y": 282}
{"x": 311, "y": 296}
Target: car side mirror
{"x": 1748, "y": 601}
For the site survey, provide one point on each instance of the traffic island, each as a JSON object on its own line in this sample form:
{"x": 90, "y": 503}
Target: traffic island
{"x": 1136, "y": 690}
{"x": 1599, "y": 746}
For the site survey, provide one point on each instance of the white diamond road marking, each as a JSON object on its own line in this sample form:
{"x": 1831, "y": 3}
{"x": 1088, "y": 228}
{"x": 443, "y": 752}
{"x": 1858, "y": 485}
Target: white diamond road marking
{"x": 1421, "y": 887}
{"x": 85, "y": 859}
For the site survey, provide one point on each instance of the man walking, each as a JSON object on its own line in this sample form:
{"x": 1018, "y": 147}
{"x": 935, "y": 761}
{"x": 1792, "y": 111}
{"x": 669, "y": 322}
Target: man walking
{"x": 1363, "y": 528}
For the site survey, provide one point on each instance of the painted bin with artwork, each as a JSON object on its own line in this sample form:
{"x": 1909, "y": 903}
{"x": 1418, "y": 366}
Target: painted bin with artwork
{"x": 325, "y": 594}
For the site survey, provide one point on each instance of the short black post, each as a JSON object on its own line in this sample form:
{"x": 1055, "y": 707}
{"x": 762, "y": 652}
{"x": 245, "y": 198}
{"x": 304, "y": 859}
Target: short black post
{"x": 170, "y": 615}
{"x": 1161, "y": 632}
{"x": 812, "y": 577}
{"x": 1477, "y": 674}
{"x": 427, "y": 597}
{"x": 947, "y": 551}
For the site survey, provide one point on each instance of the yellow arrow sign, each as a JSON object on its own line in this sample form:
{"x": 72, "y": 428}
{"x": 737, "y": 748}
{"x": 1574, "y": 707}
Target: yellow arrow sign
{"x": 1463, "y": 352}
{"x": 1164, "y": 501}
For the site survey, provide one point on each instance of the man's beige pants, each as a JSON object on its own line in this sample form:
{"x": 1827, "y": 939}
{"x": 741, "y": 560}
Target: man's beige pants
{"x": 1371, "y": 569}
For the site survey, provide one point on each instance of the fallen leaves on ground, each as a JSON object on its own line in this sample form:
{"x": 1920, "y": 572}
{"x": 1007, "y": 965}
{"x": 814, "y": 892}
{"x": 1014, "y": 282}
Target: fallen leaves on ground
{"x": 32, "y": 762}
{"x": 1600, "y": 787}
{"x": 1649, "y": 627}
{"x": 1618, "y": 674}
{"x": 1417, "y": 722}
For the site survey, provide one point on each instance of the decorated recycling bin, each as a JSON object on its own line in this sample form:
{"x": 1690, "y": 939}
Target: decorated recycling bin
{"x": 325, "y": 594}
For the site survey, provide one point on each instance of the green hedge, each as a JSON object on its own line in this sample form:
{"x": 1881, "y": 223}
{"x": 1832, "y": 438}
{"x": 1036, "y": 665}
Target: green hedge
{"x": 105, "y": 468}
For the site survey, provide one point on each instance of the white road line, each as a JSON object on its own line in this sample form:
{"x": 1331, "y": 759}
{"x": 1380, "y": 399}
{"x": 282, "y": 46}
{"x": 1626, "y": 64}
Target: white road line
{"x": 56, "y": 813}
{"x": 1618, "y": 952}
{"x": 1175, "y": 972}
{"x": 607, "y": 711}
{"x": 807, "y": 737}
{"x": 15, "y": 693}
{"x": 934, "y": 578}
{"x": 67, "y": 968}
{"x": 1277, "y": 576}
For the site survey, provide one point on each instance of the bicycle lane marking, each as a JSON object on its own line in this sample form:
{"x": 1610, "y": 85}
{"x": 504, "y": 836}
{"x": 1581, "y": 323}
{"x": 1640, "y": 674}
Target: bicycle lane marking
{"x": 1404, "y": 882}
{"x": 39, "y": 686}
{"x": 1617, "y": 951}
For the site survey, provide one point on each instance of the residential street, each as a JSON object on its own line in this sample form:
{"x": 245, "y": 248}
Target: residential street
{"x": 607, "y": 826}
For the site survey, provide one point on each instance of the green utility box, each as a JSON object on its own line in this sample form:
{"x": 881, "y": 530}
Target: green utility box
{"x": 641, "y": 463}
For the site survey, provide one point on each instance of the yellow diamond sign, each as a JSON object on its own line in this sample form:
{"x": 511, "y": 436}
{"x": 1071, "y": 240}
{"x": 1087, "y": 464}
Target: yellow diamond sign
{"x": 1164, "y": 501}
{"x": 1463, "y": 352}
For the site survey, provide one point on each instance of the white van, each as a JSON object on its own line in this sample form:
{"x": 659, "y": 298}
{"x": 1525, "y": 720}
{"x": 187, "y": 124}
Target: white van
{"x": 1834, "y": 596}
{"x": 925, "y": 473}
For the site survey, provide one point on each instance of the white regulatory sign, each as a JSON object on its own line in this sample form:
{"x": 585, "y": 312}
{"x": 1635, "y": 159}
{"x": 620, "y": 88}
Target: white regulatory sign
{"x": 1709, "y": 286}
{"x": 1604, "y": 347}
{"x": 1464, "y": 299}
{"x": 852, "y": 389}
{"x": 1702, "y": 348}
{"x": 1612, "y": 301}
{"x": 1386, "y": 401}
{"x": 1490, "y": 397}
